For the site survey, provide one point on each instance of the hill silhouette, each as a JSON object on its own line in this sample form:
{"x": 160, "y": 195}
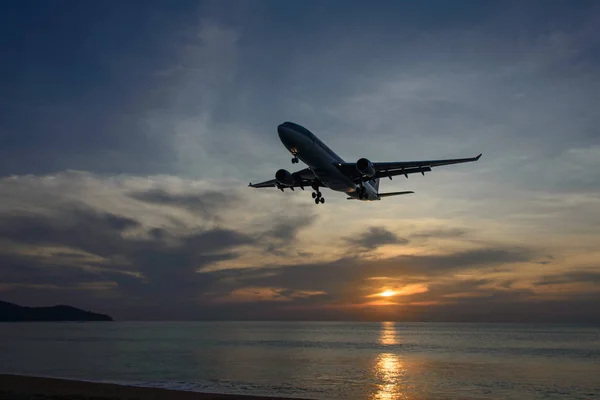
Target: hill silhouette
{"x": 15, "y": 312}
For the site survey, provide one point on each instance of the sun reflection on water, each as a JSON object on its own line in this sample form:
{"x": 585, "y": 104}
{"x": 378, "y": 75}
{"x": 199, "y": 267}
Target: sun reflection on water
{"x": 389, "y": 368}
{"x": 387, "y": 334}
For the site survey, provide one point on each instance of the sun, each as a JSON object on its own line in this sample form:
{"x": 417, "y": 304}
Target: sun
{"x": 387, "y": 293}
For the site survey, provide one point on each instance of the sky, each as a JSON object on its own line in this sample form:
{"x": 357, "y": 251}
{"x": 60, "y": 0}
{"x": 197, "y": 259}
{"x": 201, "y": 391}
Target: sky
{"x": 130, "y": 130}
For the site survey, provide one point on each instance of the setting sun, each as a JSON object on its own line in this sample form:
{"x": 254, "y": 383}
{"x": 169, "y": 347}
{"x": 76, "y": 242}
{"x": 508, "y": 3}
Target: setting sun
{"x": 406, "y": 290}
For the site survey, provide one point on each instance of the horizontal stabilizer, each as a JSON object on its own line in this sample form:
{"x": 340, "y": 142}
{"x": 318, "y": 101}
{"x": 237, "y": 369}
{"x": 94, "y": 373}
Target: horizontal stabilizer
{"x": 385, "y": 194}
{"x": 394, "y": 193}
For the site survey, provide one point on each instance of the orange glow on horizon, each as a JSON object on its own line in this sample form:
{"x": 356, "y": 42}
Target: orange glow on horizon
{"x": 387, "y": 293}
{"x": 378, "y": 303}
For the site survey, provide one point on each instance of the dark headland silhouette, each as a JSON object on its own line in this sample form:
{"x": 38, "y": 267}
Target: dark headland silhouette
{"x": 14, "y": 312}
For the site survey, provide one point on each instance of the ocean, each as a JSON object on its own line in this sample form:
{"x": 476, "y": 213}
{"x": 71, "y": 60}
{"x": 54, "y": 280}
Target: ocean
{"x": 317, "y": 360}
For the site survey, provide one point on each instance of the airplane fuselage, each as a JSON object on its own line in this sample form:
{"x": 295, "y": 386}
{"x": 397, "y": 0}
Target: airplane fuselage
{"x": 321, "y": 160}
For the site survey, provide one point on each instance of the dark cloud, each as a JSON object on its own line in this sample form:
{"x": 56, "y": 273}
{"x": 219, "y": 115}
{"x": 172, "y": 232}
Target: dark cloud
{"x": 206, "y": 204}
{"x": 286, "y": 228}
{"x": 458, "y": 286}
{"x": 507, "y": 284}
{"x": 167, "y": 263}
{"x": 32, "y": 270}
{"x": 278, "y": 238}
{"x": 470, "y": 259}
{"x": 75, "y": 226}
{"x": 548, "y": 260}
{"x": 466, "y": 292}
{"x": 579, "y": 276}
{"x": 215, "y": 240}
{"x": 375, "y": 237}
{"x": 440, "y": 233}
{"x": 277, "y": 235}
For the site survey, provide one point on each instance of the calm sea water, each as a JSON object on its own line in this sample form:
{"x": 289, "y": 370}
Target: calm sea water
{"x": 317, "y": 360}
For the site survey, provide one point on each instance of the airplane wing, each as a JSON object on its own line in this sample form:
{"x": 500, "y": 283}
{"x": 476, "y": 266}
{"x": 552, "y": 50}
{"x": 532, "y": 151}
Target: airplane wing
{"x": 302, "y": 178}
{"x": 389, "y": 169}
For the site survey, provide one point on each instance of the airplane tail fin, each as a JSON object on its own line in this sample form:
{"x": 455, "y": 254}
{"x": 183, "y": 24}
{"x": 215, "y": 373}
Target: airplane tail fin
{"x": 394, "y": 193}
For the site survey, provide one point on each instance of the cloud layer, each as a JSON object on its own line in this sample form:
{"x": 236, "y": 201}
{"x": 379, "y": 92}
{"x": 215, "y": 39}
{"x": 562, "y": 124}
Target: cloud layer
{"x": 170, "y": 248}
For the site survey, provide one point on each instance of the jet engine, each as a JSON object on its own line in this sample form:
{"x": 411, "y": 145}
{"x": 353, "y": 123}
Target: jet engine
{"x": 284, "y": 177}
{"x": 365, "y": 167}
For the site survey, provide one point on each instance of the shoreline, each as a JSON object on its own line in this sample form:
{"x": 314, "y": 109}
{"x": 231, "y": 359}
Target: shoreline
{"x": 25, "y": 387}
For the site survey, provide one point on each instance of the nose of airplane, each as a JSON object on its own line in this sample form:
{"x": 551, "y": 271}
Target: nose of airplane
{"x": 285, "y": 134}
{"x": 281, "y": 129}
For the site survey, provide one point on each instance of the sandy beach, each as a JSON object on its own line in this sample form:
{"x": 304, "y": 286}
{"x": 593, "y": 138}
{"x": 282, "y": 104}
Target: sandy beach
{"x": 18, "y": 387}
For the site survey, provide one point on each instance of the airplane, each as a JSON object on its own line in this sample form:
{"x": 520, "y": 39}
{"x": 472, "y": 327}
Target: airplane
{"x": 359, "y": 180}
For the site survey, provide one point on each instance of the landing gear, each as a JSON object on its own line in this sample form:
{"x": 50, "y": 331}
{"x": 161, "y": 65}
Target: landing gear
{"x": 295, "y": 160}
{"x": 318, "y": 197}
{"x": 362, "y": 192}
{"x": 316, "y": 194}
